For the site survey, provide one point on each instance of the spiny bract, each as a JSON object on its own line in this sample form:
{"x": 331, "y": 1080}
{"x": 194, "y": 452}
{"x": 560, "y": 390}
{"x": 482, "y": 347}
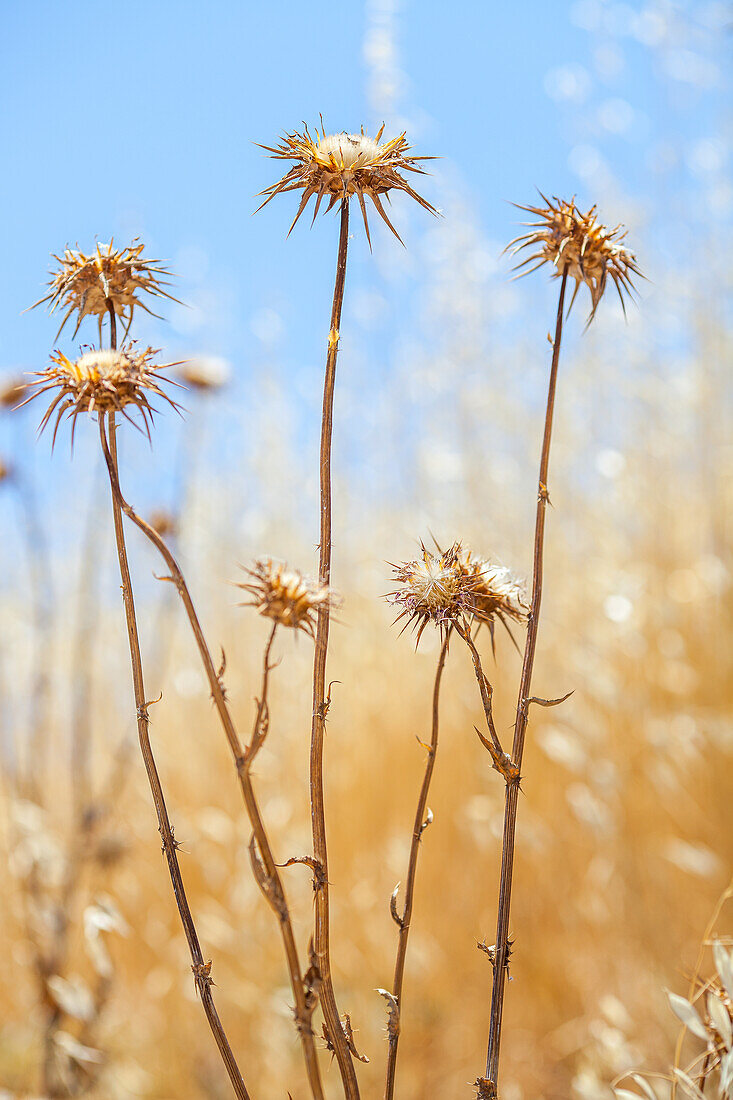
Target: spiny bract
{"x": 88, "y": 284}
{"x": 285, "y": 595}
{"x": 101, "y": 381}
{"x": 452, "y": 588}
{"x": 337, "y": 166}
{"x": 579, "y": 244}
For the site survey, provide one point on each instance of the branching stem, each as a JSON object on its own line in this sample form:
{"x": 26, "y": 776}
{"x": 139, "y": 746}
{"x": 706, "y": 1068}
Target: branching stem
{"x": 272, "y": 885}
{"x": 201, "y": 969}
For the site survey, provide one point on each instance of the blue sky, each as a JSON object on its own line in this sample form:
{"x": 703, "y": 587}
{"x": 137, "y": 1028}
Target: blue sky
{"x": 141, "y": 120}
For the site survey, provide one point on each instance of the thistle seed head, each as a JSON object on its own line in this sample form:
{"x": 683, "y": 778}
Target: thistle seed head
{"x": 496, "y": 593}
{"x": 12, "y": 392}
{"x": 567, "y": 239}
{"x": 86, "y": 284}
{"x": 452, "y": 588}
{"x": 164, "y": 522}
{"x": 99, "y": 382}
{"x": 337, "y": 166}
{"x": 205, "y": 374}
{"x": 285, "y": 595}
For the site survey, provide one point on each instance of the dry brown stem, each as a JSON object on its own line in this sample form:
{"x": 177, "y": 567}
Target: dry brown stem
{"x": 403, "y": 921}
{"x": 502, "y": 762}
{"x": 336, "y": 1033}
{"x": 501, "y": 962}
{"x": 201, "y": 968}
{"x": 269, "y": 882}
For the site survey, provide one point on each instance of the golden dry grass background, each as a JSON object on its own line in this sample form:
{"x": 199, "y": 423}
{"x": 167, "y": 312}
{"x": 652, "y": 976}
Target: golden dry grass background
{"x": 625, "y": 837}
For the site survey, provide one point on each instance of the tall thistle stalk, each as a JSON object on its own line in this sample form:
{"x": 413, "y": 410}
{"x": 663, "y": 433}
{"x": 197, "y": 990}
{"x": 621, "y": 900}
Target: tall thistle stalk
{"x": 577, "y": 246}
{"x": 502, "y": 944}
{"x": 320, "y": 707}
{"x": 335, "y": 167}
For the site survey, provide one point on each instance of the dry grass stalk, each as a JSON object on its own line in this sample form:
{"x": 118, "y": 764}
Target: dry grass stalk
{"x": 706, "y": 1016}
{"x": 33, "y": 764}
{"x": 335, "y": 167}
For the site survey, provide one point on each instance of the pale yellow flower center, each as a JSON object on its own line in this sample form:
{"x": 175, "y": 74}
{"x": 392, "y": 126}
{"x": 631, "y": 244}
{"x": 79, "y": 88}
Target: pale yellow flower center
{"x": 348, "y": 150}
{"x": 433, "y": 584}
{"x": 100, "y": 365}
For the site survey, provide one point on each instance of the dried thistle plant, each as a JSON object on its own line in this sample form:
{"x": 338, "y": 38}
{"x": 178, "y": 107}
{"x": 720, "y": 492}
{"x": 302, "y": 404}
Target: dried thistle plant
{"x": 577, "y": 246}
{"x": 453, "y": 588}
{"x": 105, "y": 382}
{"x": 337, "y": 166}
{"x": 108, "y": 279}
{"x": 285, "y": 595}
{"x": 568, "y": 239}
{"x": 102, "y": 381}
{"x": 497, "y": 593}
{"x": 454, "y": 591}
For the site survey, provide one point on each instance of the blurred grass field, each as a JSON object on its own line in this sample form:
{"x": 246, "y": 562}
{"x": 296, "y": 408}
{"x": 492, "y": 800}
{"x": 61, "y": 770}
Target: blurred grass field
{"x": 625, "y": 838}
{"x": 624, "y": 834}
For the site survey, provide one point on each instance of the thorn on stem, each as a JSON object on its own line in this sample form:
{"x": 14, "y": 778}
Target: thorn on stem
{"x": 319, "y": 875}
{"x": 501, "y": 761}
{"x": 349, "y": 1034}
{"x": 393, "y": 1017}
{"x": 323, "y": 708}
{"x": 485, "y": 1089}
{"x": 202, "y": 977}
{"x": 490, "y": 952}
{"x": 399, "y": 921}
